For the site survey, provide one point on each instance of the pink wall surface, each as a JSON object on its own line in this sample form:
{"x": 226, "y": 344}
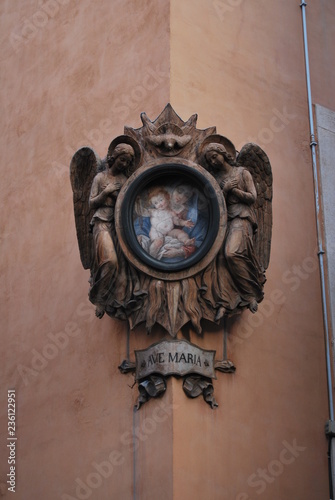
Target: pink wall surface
{"x": 240, "y": 66}
{"x": 73, "y": 74}
{"x": 74, "y": 79}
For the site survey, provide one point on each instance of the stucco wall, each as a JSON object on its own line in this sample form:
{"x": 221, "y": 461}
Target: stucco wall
{"x": 73, "y": 79}
{"x": 240, "y": 65}
{"x": 74, "y": 76}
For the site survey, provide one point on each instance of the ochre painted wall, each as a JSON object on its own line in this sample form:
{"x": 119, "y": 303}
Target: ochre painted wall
{"x": 73, "y": 80}
{"x": 240, "y": 66}
{"x": 74, "y": 73}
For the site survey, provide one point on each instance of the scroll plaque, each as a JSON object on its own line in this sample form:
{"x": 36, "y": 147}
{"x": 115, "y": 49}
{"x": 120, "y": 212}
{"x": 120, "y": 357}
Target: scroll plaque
{"x": 174, "y": 357}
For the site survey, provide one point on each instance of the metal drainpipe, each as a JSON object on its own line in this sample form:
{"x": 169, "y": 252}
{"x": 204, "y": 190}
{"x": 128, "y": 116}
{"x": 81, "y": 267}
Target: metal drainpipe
{"x": 313, "y": 144}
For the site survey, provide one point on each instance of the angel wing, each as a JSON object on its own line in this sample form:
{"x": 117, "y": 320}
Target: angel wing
{"x": 83, "y": 168}
{"x": 254, "y": 159}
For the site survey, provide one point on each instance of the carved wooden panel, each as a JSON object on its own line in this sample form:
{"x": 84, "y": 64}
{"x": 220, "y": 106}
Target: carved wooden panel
{"x": 174, "y": 225}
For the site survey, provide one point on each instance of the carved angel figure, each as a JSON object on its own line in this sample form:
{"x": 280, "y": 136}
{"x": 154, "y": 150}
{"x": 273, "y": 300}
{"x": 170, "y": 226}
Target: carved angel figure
{"x": 105, "y": 188}
{"x": 246, "y": 249}
{"x": 96, "y": 185}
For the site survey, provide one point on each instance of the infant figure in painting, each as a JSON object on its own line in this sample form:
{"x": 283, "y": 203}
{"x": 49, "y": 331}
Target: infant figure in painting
{"x": 163, "y": 221}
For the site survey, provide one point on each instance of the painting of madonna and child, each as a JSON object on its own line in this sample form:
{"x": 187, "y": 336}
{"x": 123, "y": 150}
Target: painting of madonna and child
{"x": 171, "y": 220}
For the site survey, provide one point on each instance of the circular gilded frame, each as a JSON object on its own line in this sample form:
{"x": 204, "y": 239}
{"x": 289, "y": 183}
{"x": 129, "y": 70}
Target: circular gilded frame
{"x": 167, "y": 172}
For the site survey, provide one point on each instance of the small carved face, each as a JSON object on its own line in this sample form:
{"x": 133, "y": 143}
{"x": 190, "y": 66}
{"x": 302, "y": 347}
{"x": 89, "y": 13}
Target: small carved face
{"x": 215, "y": 159}
{"x": 122, "y": 162}
{"x": 159, "y": 201}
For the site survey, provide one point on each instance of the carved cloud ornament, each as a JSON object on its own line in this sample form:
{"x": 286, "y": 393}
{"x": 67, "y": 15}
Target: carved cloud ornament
{"x": 174, "y": 224}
